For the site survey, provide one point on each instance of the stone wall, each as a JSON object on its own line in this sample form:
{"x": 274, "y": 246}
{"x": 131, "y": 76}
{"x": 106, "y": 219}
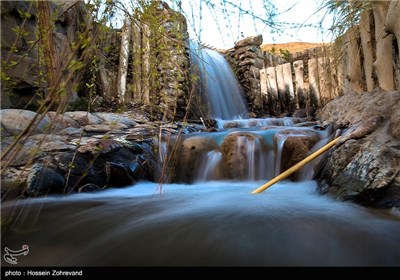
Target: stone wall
{"x": 158, "y": 59}
{"x": 246, "y": 59}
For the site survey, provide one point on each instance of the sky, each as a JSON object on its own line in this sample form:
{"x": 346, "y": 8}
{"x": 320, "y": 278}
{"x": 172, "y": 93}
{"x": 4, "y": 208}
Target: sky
{"x": 220, "y": 25}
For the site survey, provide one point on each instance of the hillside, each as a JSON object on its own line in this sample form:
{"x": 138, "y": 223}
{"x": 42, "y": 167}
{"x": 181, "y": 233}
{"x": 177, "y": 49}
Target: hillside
{"x": 291, "y": 47}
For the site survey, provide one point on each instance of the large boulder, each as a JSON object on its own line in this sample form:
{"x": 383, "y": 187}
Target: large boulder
{"x": 251, "y": 40}
{"x": 112, "y": 118}
{"x": 43, "y": 180}
{"x": 365, "y": 166}
{"x": 61, "y": 121}
{"x": 295, "y": 149}
{"x": 13, "y": 181}
{"x": 190, "y": 153}
{"x": 84, "y": 118}
{"x": 365, "y": 171}
{"x": 15, "y": 121}
{"x": 237, "y": 156}
{"x": 353, "y": 108}
{"x": 394, "y": 125}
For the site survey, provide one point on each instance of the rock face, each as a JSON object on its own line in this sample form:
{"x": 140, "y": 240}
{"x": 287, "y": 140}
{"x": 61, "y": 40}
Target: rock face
{"x": 366, "y": 167}
{"x": 21, "y": 52}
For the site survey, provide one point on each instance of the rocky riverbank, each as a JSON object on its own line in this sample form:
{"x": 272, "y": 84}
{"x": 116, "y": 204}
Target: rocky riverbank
{"x": 80, "y": 151}
{"x": 366, "y": 167}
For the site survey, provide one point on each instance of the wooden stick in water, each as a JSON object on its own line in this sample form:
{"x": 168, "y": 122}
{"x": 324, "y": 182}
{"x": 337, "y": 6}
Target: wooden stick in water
{"x": 296, "y": 167}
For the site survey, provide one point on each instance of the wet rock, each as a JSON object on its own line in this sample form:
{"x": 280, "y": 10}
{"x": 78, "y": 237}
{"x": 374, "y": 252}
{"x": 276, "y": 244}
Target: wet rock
{"x": 61, "y": 121}
{"x": 100, "y": 147}
{"x": 295, "y": 149}
{"x": 88, "y": 188}
{"x": 112, "y": 118}
{"x": 363, "y": 172}
{"x": 231, "y": 125}
{"x": 105, "y": 163}
{"x": 42, "y": 180}
{"x": 84, "y": 118}
{"x": 394, "y": 124}
{"x": 121, "y": 174}
{"x": 13, "y": 181}
{"x": 190, "y": 151}
{"x": 303, "y": 113}
{"x": 15, "y": 121}
{"x": 366, "y": 168}
{"x": 235, "y": 152}
{"x": 104, "y": 128}
{"x": 71, "y": 131}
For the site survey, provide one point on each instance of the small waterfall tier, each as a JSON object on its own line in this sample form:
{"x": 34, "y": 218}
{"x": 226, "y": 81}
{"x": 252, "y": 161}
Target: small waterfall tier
{"x": 247, "y": 150}
{"x": 218, "y": 85}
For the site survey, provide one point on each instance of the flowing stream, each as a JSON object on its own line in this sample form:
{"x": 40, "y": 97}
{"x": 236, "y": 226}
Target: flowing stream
{"x": 213, "y": 223}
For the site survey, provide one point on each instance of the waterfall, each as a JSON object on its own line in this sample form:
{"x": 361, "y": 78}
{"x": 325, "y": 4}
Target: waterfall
{"x": 209, "y": 168}
{"x": 218, "y": 85}
{"x": 257, "y": 160}
{"x": 278, "y": 156}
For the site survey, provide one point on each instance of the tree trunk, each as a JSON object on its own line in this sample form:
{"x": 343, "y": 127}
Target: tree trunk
{"x": 123, "y": 61}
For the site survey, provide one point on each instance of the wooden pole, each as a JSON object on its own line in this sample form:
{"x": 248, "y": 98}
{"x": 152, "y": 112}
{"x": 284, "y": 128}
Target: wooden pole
{"x": 296, "y": 167}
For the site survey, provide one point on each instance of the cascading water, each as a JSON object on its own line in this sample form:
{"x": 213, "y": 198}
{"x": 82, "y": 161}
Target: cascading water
{"x": 218, "y": 85}
{"x": 247, "y": 153}
{"x": 209, "y": 167}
